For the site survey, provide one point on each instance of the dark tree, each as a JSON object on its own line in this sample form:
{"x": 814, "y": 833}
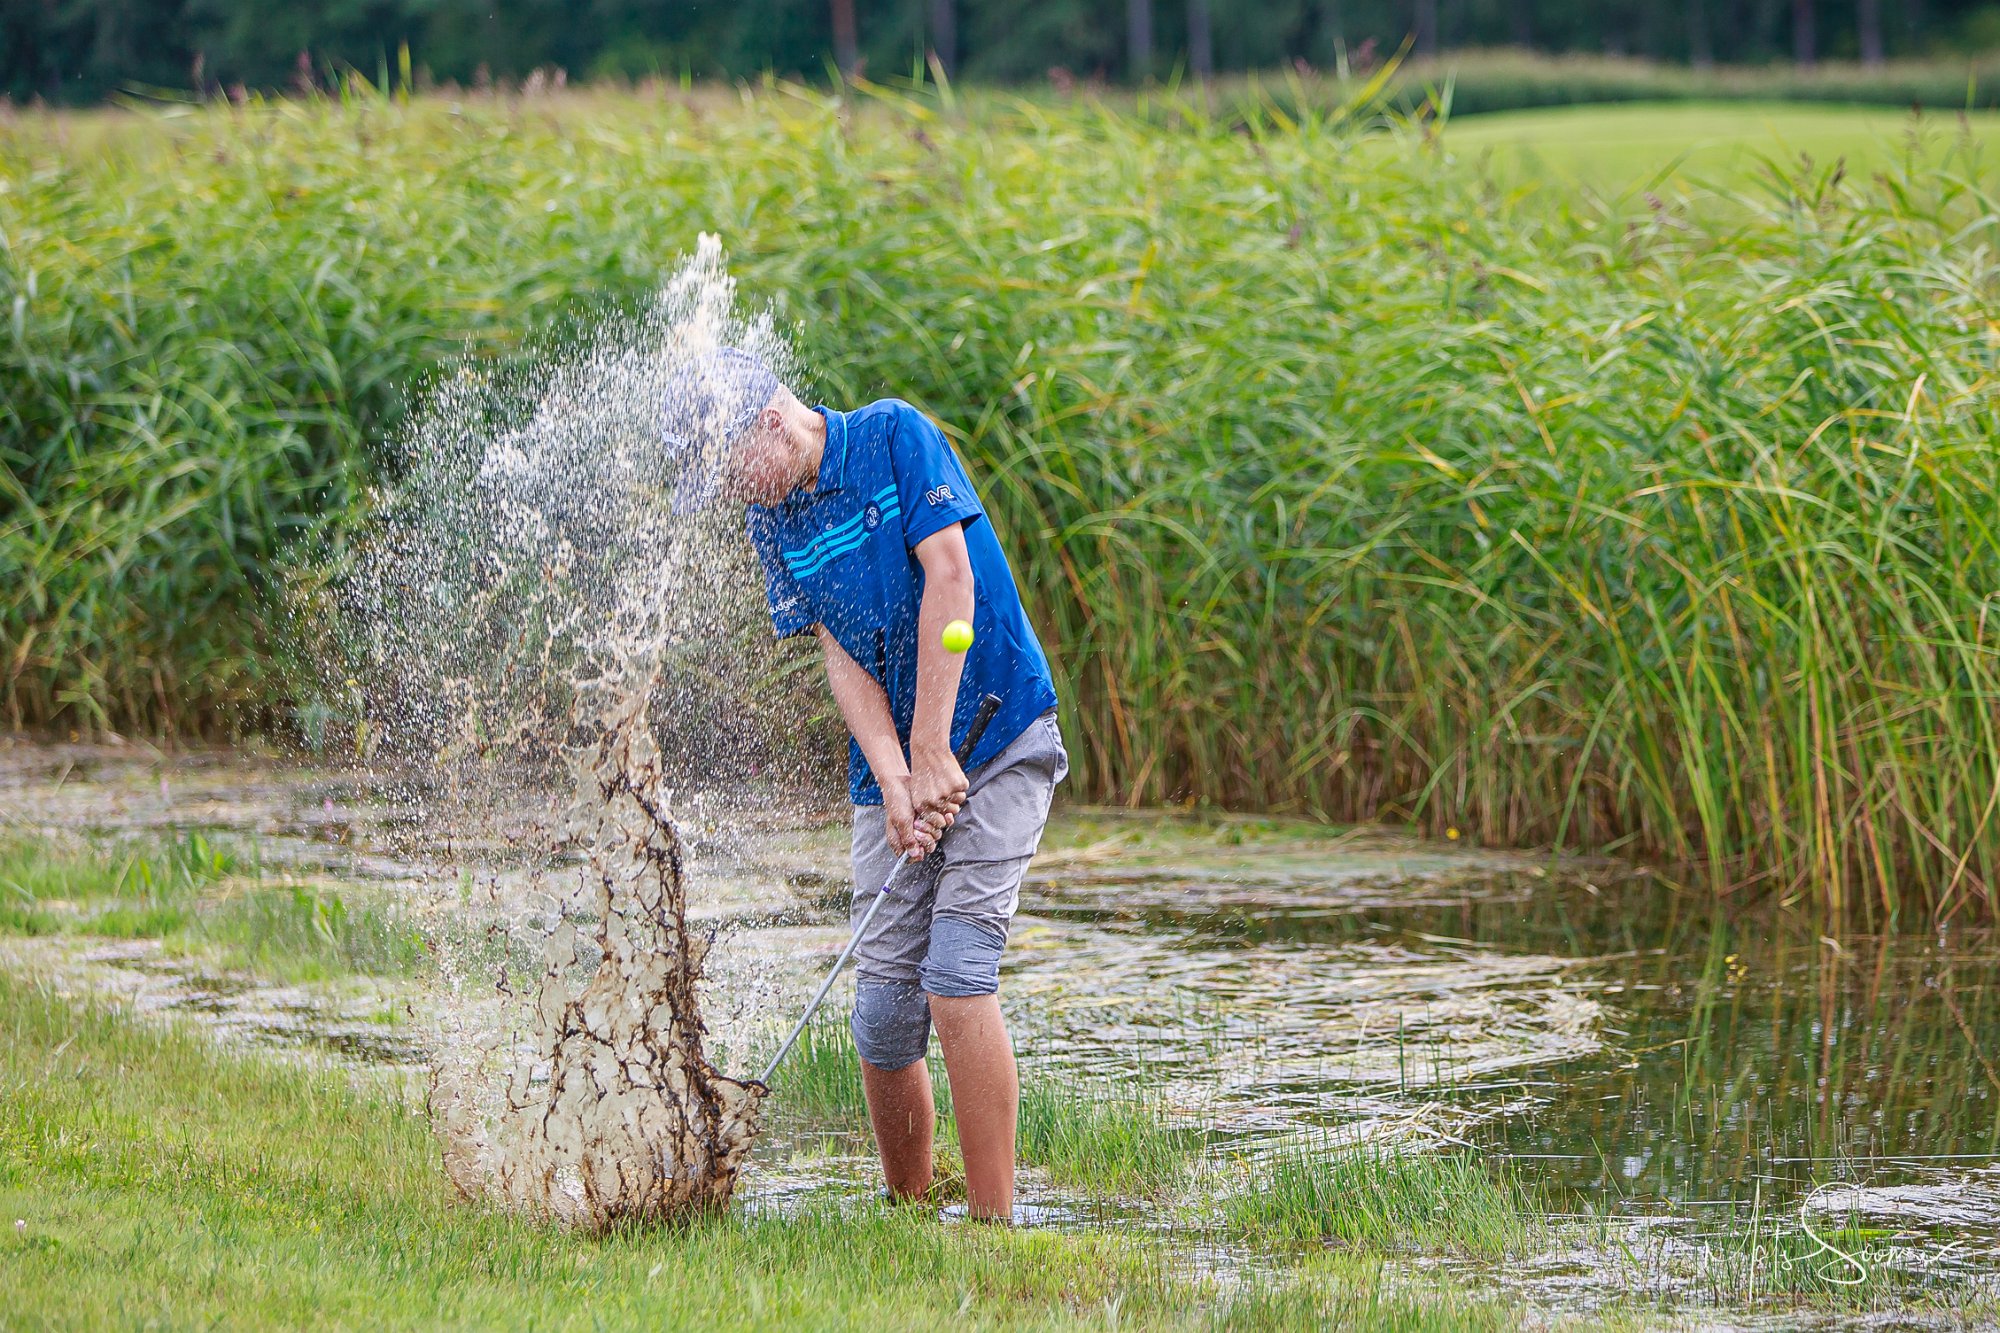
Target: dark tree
{"x": 1138, "y": 38}
{"x": 1425, "y": 29}
{"x": 846, "y": 40}
{"x": 1201, "y": 40}
{"x": 944, "y": 34}
{"x": 1332, "y": 31}
{"x": 1521, "y": 22}
{"x": 78, "y": 51}
{"x": 1868, "y": 24}
{"x": 1701, "y": 51}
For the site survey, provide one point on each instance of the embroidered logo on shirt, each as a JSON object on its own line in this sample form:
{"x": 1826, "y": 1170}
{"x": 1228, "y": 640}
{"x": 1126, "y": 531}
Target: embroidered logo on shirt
{"x": 938, "y": 495}
{"x": 871, "y": 517}
{"x": 842, "y": 538}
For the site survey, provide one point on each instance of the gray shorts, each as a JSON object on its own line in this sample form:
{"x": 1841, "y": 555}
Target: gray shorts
{"x": 945, "y": 922}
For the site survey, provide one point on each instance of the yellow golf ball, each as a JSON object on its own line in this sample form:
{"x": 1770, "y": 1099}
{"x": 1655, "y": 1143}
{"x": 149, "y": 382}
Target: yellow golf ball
{"x": 957, "y": 636}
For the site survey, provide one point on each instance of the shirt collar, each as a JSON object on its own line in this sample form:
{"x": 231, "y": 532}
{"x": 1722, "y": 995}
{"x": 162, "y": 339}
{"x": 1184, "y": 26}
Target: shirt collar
{"x": 833, "y": 458}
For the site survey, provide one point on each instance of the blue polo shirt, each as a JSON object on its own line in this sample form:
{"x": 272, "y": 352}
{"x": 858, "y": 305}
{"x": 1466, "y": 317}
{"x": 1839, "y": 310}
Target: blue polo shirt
{"x": 843, "y": 555}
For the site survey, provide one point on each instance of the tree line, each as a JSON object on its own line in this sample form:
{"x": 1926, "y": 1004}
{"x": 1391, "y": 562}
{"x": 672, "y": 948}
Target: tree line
{"x": 83, "y": 50}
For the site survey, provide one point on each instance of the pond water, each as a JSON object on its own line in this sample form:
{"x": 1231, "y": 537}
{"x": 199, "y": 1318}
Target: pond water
{"x": 1733, "y": 1053}
{"x": 1644, "y": 1055}
{"x": 1677, "y": 1063}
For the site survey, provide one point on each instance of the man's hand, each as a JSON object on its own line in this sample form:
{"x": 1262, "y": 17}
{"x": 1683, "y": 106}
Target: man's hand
{"x": 912, "y": 835}
{"x": 937, "y": 785}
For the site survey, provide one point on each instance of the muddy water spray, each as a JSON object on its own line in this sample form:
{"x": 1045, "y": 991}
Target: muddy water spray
{"x": 531, "y": 619}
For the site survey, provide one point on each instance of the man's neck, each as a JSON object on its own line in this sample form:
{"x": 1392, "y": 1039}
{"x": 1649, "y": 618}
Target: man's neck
{"x": 811, "y": 430}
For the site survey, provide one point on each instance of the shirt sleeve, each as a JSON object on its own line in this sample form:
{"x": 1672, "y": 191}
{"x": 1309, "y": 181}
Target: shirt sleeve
{"x": 931, "y": 484}
{"x": 790, "y": 613}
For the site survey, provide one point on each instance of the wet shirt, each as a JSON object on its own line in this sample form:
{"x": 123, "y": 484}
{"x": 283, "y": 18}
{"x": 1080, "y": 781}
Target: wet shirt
{"x": 843, "y": 555}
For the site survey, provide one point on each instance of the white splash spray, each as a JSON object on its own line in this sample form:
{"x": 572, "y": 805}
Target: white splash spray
{"x": 526, "y": 626}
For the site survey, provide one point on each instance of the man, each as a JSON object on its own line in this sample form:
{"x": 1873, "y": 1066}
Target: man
{"x": 872, "y": 538}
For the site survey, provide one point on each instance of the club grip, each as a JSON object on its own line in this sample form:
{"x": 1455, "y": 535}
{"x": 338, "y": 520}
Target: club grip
{"x": 987, "y": 708}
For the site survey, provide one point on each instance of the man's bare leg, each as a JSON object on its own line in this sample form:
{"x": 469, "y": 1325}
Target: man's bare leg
{"x": 904, "y": 1118}
{"x": 985, "y": 1097}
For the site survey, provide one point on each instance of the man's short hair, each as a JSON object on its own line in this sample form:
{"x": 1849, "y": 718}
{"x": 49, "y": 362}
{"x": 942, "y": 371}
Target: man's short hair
{"x": 706, "y": 408}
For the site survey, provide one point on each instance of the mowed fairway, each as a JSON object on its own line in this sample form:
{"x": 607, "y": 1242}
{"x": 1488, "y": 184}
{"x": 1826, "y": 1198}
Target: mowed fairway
{"x": 1723, "y": 145}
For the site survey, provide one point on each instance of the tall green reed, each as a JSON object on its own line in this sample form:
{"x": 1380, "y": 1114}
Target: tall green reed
{"x": 1341, "y": 480}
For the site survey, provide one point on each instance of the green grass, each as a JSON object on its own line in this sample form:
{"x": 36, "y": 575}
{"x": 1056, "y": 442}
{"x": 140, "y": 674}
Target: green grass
{"x": 821, "y": 1076}
{"x": 171, "y": 866}
{"x": 1342, "y": 484}
{"x": 1110, "y": 1140}
{"x": 1707, "y": 146}
{"x": 1825, "y": 1261}
{"x": 1383, "y": 1198}
{"x": 128, "y": 888}
{"x": 1474, "y": 83}
{"x": 1828, "y": 1262}
{"x": 305, "y": 933}
{"x": 202, "y": 897}
{"x": 162, "y": 1182}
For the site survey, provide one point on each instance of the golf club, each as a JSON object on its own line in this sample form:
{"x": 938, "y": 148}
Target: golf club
{"x": 987, "y": 708}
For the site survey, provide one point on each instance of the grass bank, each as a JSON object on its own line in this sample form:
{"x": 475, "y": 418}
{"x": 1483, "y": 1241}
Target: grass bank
{"x": 160, "y": 1181}
{"x": 1342, "y": 484}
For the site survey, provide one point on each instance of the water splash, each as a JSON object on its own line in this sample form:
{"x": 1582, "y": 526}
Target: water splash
{"x": 541, "y": 655}
{"x": 629, "y": 1121}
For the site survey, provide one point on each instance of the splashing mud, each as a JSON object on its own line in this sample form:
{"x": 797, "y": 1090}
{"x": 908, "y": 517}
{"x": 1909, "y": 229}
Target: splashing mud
{"x": 540, "y": 651}
{"x": 631, "y": 1123}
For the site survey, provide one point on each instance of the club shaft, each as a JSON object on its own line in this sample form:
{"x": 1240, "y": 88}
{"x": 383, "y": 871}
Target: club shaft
{"x": 853, "y": 943}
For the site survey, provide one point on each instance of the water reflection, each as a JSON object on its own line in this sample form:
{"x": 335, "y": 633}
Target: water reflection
{"x": 1744, "y": 1054}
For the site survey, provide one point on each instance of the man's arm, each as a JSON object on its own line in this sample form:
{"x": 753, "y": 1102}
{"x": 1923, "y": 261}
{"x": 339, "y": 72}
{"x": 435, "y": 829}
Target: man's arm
{"x": 865, "y": 709}
{"x": 937, "y": 783}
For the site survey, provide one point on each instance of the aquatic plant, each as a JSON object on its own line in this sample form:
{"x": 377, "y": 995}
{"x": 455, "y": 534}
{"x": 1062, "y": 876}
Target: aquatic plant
{"x": 121, "y": 887}
{"x": 1112, "y": 1139}
{"x": 1347, "y": 481}
{"x": 1381, "y": 1196}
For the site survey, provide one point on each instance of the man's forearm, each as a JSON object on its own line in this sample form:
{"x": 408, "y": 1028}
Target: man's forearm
{"x": 948, "y": 596}
{"x": 865, "y": 709}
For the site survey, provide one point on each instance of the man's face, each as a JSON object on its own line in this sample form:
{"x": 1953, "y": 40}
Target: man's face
{"x": 762, "y": 466}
